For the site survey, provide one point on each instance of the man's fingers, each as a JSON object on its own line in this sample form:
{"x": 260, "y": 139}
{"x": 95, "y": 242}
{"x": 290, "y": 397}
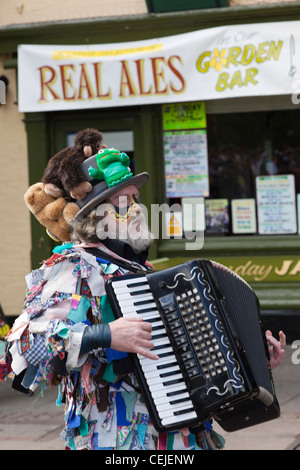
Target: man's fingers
{"x": 146, "y": 353}
{"x": 282, "y": 339}
{"x": 146, "y": 326}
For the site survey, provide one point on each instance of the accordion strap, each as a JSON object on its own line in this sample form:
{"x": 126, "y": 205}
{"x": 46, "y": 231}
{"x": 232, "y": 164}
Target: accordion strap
{"x": 132, "y": 266}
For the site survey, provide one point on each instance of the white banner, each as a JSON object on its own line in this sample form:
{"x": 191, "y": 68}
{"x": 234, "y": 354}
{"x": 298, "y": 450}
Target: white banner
{"x": 224, "y": 62}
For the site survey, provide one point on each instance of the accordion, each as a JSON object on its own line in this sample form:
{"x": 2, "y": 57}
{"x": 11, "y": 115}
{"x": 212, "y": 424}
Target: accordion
{"x": 213, "y": 354}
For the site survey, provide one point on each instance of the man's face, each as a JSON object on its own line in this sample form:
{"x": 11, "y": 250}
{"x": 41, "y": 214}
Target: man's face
{"x": 124, "y": 205}
{"x": 123, "y": 218}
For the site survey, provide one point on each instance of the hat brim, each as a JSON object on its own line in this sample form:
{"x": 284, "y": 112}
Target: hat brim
{"x": 87, "y": 204}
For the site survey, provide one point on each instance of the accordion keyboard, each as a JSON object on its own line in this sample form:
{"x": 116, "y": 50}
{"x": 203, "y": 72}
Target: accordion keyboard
{"x": 163, "y": 376}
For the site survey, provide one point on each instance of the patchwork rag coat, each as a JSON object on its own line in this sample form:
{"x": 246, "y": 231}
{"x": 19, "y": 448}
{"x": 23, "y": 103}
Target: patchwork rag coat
{"x": 97, "y": 390}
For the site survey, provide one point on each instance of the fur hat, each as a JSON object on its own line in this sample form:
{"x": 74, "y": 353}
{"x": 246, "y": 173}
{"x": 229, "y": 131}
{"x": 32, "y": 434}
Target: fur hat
{"x": 108, "y": 171}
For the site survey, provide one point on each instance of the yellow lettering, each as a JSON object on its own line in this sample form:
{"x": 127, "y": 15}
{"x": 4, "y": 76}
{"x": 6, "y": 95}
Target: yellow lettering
{"x": 234, "y": 52}
{"x": 263, "y": 272}
{"x": 248, "y": 54}
{"x": 261, "y": 51}
{"x": 236, "y": 80}
{"x": 284, "y": 268}
{"x": 296, "y": 269}
{"x": 201, "y": 65}
{"x": 250, "y": 74}
{"x": 274, "y": 50}
{"x": 241, "y": 270}
{"x": 222, "y": 81}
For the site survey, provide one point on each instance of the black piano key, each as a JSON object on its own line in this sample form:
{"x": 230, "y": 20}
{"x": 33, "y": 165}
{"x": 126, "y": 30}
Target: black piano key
{"x": 174, "y": 393}
{"x": 159, "y": 346}
{"x": 162, "y": 335}
{"x": 140, "y": 292}
{"x": 137, "y": 284}
{"x": 158, "y": 327}
{"x": 168, "y": 374}
{"x": 147, "y": 310}
{"x": 163, "y": 354}
{"x": 180, "y": 412}
{"x": 142, "y": 302}
{"x": 172, "y": 382}
{"x": 164, "y": 366}
{"x": 180, "y": 400}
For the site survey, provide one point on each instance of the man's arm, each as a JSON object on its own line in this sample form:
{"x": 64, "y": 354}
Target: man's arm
{"x": 131, "y": 335}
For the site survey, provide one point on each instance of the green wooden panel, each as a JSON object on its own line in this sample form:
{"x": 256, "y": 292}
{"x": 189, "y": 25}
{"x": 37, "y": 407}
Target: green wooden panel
{"x": 159, "y": 6}
{"x": 279, "y": 295}
{"x": 38, "y": 154}
{"x": 130, "y": 28}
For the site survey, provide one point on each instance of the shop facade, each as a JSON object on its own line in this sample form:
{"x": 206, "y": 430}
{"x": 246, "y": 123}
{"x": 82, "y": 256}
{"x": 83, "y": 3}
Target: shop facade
{"x": 234, "y": 193}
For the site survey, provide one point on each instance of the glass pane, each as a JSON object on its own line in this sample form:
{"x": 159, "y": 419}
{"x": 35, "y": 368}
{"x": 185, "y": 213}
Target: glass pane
{"x": 242, "y": 147}
{"x": 121, "y": 140}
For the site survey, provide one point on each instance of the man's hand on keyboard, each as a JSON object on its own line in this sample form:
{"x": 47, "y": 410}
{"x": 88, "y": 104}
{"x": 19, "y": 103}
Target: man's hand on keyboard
{"x": 132, "y": 335}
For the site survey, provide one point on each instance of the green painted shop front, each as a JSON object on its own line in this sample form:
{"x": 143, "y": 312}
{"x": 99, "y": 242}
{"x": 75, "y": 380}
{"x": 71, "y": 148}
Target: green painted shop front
{"x": 271, "y": 264}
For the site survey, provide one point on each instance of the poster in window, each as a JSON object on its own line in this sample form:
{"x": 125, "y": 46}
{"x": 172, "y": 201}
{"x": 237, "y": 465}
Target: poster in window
{"x": 243, "y": 213}
{"x": 217, "y": 216}
{"x": 186, "y": 163}
{"x": 276, "y": 204}
{"x": 184, "y": 116}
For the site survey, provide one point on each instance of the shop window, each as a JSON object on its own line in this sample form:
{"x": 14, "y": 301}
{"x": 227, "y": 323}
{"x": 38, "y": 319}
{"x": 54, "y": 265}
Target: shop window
{"x": 254, "y": 173}
{"x": 121, "y": 140}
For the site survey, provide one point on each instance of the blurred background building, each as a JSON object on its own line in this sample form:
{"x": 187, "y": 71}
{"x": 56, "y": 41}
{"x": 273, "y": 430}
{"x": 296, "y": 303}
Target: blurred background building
{"x": 249, "y": 143}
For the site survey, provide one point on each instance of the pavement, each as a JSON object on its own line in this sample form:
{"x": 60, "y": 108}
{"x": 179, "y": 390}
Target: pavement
{"x": 35, "y": 423}
{"x": 282, "y": 433}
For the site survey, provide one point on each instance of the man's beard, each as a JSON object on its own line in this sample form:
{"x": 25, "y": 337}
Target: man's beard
{"x": 135, "y": 233}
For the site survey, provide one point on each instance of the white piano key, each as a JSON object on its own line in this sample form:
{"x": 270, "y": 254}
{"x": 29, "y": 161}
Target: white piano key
{"x": 167, "y": 399}
{"x": 153, "y": 365}
{"x": 164, "y": 390}
{"x": 179, "y": 418}
{"x": 142, "y": 314}
{"x": 168, "y": 412}
{"x": 159, "y": 332}
{"x": 130, "y": 289}
{"x": 135, "y": 298}
{"x": 149, "y": 316}
{"x": 158, "y": 373}
{"x": 144, "y": 360}
{"x": 157, "y": 323}
{"x": 163, "y": 351}
{"x": 128, "y": 282}
{"x": 157, "y": 386}
{"x": 161, "y": 341}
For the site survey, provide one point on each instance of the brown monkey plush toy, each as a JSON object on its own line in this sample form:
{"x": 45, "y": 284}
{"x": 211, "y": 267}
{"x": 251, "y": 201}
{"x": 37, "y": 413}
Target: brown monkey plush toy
{"x": 63, "y": 176}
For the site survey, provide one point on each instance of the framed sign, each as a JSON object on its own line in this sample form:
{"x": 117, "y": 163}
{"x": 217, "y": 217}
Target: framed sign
{"x": 186, "y": 163}
{"x": 217, "y": 216}
{"x": 276, "y": 204}
{"x": 243, "y": 216}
